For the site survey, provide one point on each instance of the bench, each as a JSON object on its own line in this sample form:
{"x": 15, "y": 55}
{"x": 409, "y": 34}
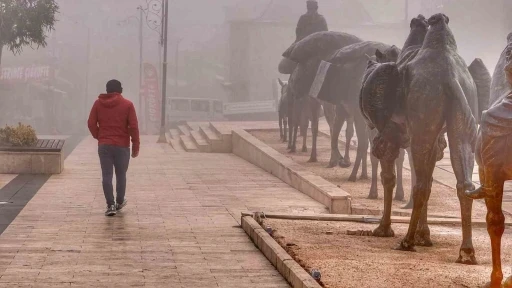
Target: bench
{"x": 44, "y": 157}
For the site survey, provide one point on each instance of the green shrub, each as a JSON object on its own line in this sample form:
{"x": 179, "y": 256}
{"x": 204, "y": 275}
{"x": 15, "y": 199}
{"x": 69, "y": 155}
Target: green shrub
{"x": 21, "y": 135}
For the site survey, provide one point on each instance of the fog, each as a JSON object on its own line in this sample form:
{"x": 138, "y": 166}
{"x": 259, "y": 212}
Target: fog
{"x": 224, "y": 49}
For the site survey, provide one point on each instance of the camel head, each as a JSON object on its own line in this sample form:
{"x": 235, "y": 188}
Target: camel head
{"x": 438, "y": 18}
{"x": 419, "y": 22}
{"x": 284, "y": 86}
{"x": 388, "y": 55}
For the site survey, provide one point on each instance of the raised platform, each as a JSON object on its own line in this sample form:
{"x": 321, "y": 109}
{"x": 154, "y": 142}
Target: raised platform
{"x": 45, "y": 157}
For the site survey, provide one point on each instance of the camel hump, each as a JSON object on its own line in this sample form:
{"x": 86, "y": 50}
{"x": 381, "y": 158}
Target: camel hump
{"x": 317, "y": 44}
{"x": 483, "y": 79}
{"x": 286, "y": 66}
{"x": 379, "y": 98}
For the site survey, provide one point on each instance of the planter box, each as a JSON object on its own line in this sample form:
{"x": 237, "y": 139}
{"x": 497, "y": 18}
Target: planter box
{"x": 43, "y": 158}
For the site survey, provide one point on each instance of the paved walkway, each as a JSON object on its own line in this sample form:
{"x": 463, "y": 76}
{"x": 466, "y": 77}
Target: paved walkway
{"x": 180, "y": 228}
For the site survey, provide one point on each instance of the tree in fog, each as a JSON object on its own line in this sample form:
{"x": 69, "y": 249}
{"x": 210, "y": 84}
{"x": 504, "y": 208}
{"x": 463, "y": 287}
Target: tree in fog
{"x": 25, "y": 23}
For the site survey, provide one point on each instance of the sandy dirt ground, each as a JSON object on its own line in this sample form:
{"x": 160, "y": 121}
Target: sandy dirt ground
{"x": 360, "y": 261}
{"x": 443, "y": 200}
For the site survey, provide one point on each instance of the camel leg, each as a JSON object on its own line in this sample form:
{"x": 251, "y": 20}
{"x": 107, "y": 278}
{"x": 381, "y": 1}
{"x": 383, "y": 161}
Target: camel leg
{"x": 297, "y": 112}
{"x": 304, "y": 128}
{"x": 330, "y": 114}
{"x": 285, "y": 125}
{"x": 304, "y": 116}
{"x": 495, "y": 228}
{"x": 362, "y": 146}
{"x": 388, "y": 177}
{"x": 349, "y": 134}
{"x": 315, "y": 111}
{"x": 364, "y": 160}
{"x": 413, "y": 180}
{"x": 293, "y": 140}
{"x": 424, "y": 153}
{"x": 281, "y": 136}
{"x": 422, "y": 236}
{"x": 463, "y": 160}
{"x": 399, "y": 194}
{"x": 374, "y": 189}
{"x": 336, "y": 129}
{"x": 291, "y": 120}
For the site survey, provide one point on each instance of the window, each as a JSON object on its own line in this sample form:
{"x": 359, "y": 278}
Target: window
{"x": 180, "y": 105}
{"x": 200, "y": 105}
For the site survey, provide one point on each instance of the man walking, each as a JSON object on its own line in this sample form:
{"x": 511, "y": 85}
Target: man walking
{"x": 311, "y": 22}
{"x": 113, "y": 122}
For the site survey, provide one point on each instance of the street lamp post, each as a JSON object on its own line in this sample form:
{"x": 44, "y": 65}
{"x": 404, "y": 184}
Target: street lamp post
{"x": 157, "y": 18}
{"x": 165, "y": 25}
{"x": 87, "y": 64}
{"x": 177, "y": 57}
{"x": 141, "y": 58}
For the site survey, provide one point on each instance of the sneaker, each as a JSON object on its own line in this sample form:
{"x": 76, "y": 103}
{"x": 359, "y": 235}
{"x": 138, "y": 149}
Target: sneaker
{"x": 119, "y": 207}
{"x": 111, "y": 211}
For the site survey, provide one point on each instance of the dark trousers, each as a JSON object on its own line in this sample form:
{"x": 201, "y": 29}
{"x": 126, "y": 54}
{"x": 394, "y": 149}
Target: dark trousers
{"x": 118, "y": 158}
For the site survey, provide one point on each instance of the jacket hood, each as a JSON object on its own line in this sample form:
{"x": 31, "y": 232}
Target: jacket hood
{"x": 110, "y": 99}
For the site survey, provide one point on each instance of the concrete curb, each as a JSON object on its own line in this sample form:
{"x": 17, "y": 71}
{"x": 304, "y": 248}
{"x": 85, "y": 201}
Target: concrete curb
{"x": 248, "y": 147}
{"x": 284, "y": 263}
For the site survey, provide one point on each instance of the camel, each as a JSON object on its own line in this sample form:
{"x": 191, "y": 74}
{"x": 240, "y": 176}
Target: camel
{"x": 352, "y": 58}
{"x": 308, "y": 53}
{"x": 351, "y": 61}
{"x": 412, "y": 104}
{"x": 438, "y": 84}
{"x": 495, "y": 165}
{"x": 307, "y": 109}
{"x": 413, "y": 43}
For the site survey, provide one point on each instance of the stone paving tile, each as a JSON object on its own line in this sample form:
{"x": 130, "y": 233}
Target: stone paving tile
{"x": 180, "y": 228}
{"x": 6, "y": 178}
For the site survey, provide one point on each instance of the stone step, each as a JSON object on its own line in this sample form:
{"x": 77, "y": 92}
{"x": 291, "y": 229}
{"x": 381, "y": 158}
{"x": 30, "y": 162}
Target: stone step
{"x": 200, "y": 141}
{"x": 188, "y": 144}
{"x": 208, "y": 133}
{"x": 224, "y": 133}
{"x": 194, "y": 126}
{"x": 176, "y": 145}
{"x": 184, "y": 130}
{"x": 168, "y": 137}
{"x": 175, "y": 133}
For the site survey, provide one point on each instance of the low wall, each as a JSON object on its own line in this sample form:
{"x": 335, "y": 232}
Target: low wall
{"x": 253, "y": 150}
{"x": 284, "y": 263}
{"x": 31, "y": 162}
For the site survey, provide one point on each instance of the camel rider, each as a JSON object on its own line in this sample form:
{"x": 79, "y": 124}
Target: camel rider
{"x": 495, "y": 131}
{"x": 311, "y": 22}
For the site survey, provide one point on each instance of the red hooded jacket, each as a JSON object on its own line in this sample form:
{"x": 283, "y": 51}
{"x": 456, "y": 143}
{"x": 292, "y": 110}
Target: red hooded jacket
{"x": 113, "y": 121}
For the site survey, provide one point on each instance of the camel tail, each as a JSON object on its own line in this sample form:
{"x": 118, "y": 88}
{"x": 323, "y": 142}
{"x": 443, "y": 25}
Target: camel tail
{"x": 483, "y": 80}
{"x": 464, "y": 118}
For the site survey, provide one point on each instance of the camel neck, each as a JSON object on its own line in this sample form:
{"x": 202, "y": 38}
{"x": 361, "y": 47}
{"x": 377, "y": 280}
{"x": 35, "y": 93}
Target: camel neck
{"x": 416, "y": 37}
